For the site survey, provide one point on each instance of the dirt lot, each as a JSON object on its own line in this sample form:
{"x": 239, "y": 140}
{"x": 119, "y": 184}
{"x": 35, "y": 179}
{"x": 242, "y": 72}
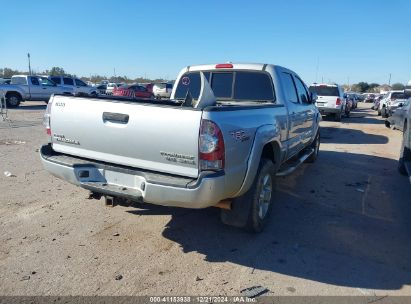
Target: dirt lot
{"x": 340, "y": 226}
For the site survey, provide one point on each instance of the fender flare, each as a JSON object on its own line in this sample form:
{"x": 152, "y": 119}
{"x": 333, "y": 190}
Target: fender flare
{"x": 266, "y": 134}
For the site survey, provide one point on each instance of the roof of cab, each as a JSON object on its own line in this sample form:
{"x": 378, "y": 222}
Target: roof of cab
{"x": 237, "y": 66}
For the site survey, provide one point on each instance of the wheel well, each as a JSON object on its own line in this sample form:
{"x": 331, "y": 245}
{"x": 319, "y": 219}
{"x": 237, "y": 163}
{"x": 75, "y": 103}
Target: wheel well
{"x": 272, "y": 151}
{"x": 13, "y": 93}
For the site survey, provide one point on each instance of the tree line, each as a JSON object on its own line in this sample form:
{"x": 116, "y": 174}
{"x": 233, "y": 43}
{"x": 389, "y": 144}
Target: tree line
{"x": 361, "y": 87}
{"x": 57, "y": 71}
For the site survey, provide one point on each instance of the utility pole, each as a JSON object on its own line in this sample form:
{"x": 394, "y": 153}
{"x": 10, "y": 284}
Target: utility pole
{"x": 389, "y": 80}
{"x": 115, "y": 77}
{"x": 28, "y": 56}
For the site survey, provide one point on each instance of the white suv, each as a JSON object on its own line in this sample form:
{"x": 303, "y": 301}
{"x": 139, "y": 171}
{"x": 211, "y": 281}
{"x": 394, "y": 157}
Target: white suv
{"x": 389, "y": 98}
{"x": 78, "y": 85}
{"x": 162, "y": 90}
{"x": 330, "y": 99}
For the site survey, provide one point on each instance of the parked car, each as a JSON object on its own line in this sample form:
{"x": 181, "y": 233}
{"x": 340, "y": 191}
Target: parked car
{"x": 101, "y": 89}
{"x": 389, "y": 99}
{"x": 220, "y": 144}
{"x": 399, "y": 116}
{"x": 148, "y": 86}
{"x": 162, "y": 90}
{"x": 79, "y": 86}
{"x": 351, "y": 98}
{"x": 330, "y": 99}
{"x": 111, "y": 86}
{"x": 132, "y": 91}
{"x": 377, "y": 101}
{"x": 24, "y": 88}
{"x": 369, "y": 98}
{"x": 404, "y": 162}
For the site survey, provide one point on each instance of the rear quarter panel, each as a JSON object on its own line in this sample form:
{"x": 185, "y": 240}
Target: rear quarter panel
{"x": 239, "y": 128}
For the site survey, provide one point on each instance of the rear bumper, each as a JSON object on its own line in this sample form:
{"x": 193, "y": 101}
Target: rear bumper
{"x": 130, "y": 183}
{"x": 325, "y": 110}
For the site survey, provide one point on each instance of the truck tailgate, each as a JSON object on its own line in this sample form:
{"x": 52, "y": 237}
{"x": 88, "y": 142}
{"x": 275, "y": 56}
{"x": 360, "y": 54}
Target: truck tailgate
{"x": 142, "y": 135}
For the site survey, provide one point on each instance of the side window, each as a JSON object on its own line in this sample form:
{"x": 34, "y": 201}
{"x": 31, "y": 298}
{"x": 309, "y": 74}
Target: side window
{"x": 45, "y": 82}
{"x": 80, "y": 83}
{"x": 56, "y": 80}
{"x": 170, "y": 86}
{"x": 301, "y": 90}
{"x": 68, "y": 81}
{"x": 289, "y": 87}
{"x": 34, "y": 81}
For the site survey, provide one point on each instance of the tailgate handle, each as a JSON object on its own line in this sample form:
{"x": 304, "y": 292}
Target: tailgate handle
{"x": 115, "y": 117}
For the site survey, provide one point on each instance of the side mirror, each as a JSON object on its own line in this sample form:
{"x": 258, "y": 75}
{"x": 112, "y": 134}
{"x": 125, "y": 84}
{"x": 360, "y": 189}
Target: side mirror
{"x": 400, "y": 105}
{"x": 313, "y": 97}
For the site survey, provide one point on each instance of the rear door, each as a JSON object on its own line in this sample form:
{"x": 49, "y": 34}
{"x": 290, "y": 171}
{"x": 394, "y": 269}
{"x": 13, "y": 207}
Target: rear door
{"x": 69, "y": 82}
{"x": 36, "y": 90}
{"x": 153, "y": 137}
{"x": 81, "y": 86}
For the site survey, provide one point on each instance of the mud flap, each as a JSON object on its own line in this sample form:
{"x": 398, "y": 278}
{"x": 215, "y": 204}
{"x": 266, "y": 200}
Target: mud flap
{"x": 240, "y": 210}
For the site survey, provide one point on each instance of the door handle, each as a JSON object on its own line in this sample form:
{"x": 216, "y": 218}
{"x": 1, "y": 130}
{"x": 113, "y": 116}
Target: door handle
{"x": 115, "y": 117}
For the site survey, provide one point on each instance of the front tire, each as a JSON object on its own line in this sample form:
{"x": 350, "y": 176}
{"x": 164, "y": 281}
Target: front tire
{"x": 252, "y": 210}
{"x": 316, "y": 146}
{"x": 405, "y": 154}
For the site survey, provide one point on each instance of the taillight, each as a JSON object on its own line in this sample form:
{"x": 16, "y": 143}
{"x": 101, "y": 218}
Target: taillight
{"x": 338, "y": 102}
{"x": 46, "y": 117}
{"x": 211, "y": 146}
{"x": 224, "y": 66}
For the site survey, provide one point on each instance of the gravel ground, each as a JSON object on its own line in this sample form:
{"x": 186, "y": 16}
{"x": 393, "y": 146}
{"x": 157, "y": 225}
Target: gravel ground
{"x": 339, "y": 227}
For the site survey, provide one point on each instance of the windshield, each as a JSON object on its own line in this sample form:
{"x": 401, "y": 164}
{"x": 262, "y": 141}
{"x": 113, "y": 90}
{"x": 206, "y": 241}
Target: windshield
{"x": 229, "y": 85}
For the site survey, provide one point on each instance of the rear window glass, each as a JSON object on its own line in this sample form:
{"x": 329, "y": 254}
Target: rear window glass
{"x": 253, "y": 86}
{"x": 397, "y": 96}
{"x": 160, "y": 85}
{"x": 239, "y": 85}
{"x": 222, "y": 84}
{"x": 325, "y": 90}
{"x": 18, "y": 80}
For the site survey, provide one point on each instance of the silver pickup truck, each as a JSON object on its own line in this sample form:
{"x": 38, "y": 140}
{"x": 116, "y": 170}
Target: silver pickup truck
{"x": 227, "y": 131}
{"x": 24, "y": 88}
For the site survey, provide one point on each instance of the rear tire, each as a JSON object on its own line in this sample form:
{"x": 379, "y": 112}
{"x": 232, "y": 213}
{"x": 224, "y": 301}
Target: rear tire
{"x": 405, "y": 154}
{"x": 13, "y": 100}
{"x": 252, "y": 210}
{"x": 337, "y": 116}
{"x": 384, "y": 113}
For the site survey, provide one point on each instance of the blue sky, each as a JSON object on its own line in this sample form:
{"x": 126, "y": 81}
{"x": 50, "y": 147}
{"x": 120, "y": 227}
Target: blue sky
{"x": 329, "y": 40}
